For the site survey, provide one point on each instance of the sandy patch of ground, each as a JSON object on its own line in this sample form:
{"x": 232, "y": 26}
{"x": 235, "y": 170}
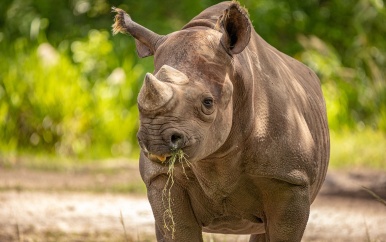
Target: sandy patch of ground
{"x": 48, "y": 206}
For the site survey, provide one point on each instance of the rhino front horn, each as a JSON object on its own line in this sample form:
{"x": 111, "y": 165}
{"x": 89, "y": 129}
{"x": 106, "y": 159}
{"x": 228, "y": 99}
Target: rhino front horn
{"x": 154, "y": 93}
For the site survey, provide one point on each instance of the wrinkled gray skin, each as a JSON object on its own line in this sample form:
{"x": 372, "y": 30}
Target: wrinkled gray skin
{"x": 251, "y": 120}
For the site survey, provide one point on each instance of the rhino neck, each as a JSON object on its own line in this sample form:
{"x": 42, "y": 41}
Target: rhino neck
{"x": 224, "y": 172}
{"x": 241, "y": 132}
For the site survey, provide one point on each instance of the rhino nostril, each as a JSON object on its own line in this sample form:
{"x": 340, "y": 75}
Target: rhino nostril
{"x": 176, "y": 138}
{"x": 176, "y": 141}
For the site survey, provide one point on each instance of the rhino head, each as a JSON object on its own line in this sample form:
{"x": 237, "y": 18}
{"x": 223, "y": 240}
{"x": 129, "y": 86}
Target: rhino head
{"x": 187, "y": 102}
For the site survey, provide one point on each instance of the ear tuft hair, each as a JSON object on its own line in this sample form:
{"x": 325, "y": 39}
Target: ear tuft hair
{"x": 119, "y": 25}
{"x": 242, "y": 9}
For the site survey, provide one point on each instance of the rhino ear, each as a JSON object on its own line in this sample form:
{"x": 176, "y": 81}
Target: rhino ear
{"x": 142, "y": 50}
{"x": 146, "y": 40}
{"x": 236, "y": 28}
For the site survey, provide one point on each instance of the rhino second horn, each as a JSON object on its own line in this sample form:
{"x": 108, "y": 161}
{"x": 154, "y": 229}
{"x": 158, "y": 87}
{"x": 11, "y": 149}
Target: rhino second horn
{"x": 169, "y": 74}
{"x": 154, "y": 93}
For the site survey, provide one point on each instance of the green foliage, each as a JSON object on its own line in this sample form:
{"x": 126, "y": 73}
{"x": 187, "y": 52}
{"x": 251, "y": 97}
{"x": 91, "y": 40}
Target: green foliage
{"x": 82, "y": 105}
{"x": 68, "y": 87}
{"x": 358, "y": 149}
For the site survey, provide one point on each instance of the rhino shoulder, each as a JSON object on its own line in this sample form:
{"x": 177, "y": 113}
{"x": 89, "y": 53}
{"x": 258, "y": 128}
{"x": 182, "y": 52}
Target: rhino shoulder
{"x": 290, "y": 157}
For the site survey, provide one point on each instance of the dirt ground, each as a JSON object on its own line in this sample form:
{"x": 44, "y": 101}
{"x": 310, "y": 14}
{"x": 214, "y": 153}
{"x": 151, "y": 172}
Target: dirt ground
{"x": 109, "y": 204}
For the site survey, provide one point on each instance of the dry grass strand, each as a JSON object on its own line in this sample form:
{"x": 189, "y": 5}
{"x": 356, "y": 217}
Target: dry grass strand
{"x": 376, "y": 196}
{"x": 177, "y": 156}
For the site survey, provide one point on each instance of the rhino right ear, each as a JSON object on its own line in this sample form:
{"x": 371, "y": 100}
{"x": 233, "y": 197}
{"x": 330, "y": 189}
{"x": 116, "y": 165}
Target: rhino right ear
{"x": 146, "y": 40}
{"x": 236, "y": 28}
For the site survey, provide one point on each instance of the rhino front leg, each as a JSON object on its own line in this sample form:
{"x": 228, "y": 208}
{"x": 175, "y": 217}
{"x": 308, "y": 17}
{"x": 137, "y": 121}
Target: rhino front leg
{"x": 186, "y": 226}
{"x": 286, "y": 208}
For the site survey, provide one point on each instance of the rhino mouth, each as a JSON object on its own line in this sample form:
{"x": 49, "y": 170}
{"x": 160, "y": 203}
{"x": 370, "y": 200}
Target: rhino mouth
{"x": 159, "y": 158}
{"x": 167, "y": 158}
{"x": 156, "y": 157}
{"x": 176, "y": 146}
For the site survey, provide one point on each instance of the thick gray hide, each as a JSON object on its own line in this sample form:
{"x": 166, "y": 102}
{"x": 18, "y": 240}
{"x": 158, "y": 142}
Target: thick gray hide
{"x": 251, "y": 120}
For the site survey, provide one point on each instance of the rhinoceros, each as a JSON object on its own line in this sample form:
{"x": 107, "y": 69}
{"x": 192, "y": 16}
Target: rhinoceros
{"x": 249, "y": 120}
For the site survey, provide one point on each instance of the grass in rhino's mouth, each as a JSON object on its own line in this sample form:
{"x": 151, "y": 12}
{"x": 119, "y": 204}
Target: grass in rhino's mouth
{"x": 177, "y": 156}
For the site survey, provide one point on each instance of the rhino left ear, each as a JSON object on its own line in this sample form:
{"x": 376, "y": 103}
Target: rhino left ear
{"x": 236, "y": 28}
{"x": 146, "y": 40}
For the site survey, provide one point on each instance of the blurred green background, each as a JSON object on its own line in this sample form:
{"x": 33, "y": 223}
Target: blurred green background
{"x": 68, "y": 87}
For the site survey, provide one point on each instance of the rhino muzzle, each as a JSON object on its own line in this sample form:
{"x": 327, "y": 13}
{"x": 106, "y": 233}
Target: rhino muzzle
{"x": 157, "y": 97}
{"x": 173, "y": 141}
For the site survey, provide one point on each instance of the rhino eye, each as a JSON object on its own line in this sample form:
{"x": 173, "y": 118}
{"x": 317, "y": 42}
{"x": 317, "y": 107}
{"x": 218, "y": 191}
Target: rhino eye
{"x": 208, "y": 102}
{"x": 207, "y": 105}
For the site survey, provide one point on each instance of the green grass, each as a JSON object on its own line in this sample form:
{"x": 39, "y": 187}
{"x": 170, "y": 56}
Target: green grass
{"x": 50, "y": 162}
{"x": 361, "y": 149}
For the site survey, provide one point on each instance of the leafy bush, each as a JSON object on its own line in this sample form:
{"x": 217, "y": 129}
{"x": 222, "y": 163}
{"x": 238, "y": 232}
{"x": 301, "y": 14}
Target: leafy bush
{"x": 83, "y": 106}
